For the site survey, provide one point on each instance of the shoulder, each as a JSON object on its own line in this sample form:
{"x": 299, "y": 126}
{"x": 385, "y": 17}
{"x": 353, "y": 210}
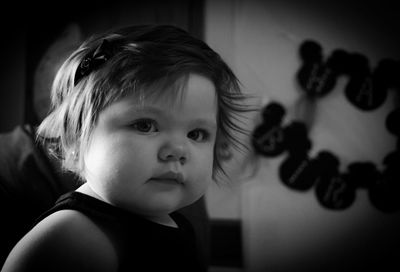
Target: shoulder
{"x": 66, "y": 240}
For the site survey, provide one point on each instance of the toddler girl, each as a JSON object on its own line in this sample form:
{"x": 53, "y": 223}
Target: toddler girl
{"x": 141, "y": 115}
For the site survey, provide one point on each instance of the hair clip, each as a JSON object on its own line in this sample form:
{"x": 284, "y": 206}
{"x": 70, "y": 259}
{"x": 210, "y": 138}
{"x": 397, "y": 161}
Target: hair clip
{"x": 93, "y": 60}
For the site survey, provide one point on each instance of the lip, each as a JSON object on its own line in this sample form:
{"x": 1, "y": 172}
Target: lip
{"x": 170, "y": 177}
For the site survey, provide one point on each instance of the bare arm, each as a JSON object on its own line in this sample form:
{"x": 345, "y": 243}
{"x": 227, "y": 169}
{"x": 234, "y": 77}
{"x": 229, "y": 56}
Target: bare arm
{"x": 65, "y": 241}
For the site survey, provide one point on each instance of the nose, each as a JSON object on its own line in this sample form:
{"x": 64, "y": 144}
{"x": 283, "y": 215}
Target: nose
{"x": 173, "y": 152}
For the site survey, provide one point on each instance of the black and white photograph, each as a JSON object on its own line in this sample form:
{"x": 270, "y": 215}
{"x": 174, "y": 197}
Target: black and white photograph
{"x": 200, "y": 136}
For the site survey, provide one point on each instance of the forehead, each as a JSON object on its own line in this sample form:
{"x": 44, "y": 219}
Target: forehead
{"x": 195, "y": 101}
{"x": 192, "y": 90}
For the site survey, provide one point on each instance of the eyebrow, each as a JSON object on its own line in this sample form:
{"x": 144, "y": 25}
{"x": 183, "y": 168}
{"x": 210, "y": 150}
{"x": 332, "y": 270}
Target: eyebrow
{"x": 207, "y": 122}
{"x": 147, "y": 109}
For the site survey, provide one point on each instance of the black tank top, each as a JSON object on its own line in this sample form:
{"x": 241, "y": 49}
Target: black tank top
{"x": 142, "y": 245}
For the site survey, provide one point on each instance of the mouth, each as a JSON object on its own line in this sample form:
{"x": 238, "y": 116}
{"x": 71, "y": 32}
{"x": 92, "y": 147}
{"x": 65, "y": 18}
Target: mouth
{"x": 169, "y": 178}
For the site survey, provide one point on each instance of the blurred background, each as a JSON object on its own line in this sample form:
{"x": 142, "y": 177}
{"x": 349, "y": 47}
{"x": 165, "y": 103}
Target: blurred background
{"x": 258, "y": 223}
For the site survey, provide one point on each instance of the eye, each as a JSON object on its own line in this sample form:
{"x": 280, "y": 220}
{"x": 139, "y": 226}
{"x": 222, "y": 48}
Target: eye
{"x": 198, "y": 135}
{"x": 145, "y": 125}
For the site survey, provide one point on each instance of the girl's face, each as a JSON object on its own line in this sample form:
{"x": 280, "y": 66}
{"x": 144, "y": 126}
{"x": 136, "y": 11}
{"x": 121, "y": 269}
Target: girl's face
{"x": 156, "y": 157}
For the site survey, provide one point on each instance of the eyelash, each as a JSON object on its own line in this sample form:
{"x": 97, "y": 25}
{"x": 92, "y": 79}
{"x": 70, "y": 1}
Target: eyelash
{"x": 197, "y": 135}
{"x": 152, "y": 128}
{"x": 205, "y": 135}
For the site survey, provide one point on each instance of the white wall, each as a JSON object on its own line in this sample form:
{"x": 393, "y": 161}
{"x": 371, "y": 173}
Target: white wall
{"x": 285, "y": 229}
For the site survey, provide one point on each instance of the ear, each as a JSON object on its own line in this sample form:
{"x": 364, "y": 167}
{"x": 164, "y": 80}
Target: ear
{"x": 224, "y": 151}
{"x": 69, "y": 40}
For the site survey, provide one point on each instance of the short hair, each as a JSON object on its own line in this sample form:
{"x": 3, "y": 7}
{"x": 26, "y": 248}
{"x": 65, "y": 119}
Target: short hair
{"x": 142, "y": 56}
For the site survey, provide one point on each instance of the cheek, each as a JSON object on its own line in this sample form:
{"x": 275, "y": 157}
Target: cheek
{"x": 117, "y": 160}
{"x": 203, "y": 168}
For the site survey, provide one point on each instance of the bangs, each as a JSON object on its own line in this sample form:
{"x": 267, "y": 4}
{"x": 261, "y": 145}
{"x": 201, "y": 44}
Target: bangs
{"x": 151, "y": 72}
